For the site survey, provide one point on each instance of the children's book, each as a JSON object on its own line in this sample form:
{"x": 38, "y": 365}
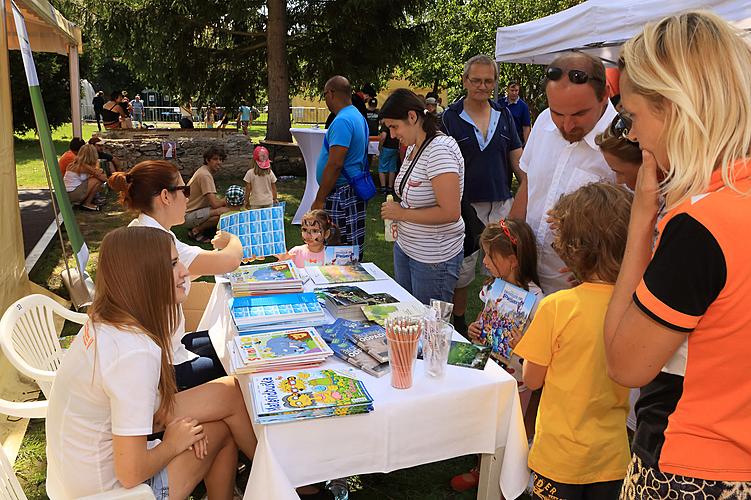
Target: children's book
{"x": 506, "y": 307}
{"x": 468, "y": 355}
{"x": 276, "y": 350}
{"x": 272, "y": 277}
{"x": 325, "y": 275}
{"x": 274, "y": 309}
{"x": 368, "y": 337}
{"x": 337, "y": 338}
{"x": 378, "y": 313}
{"x": 261, "y": 231}
{"x": 303, "y": 394}
{"x": 341, "y": 255}
{"x": 345, "y": 301}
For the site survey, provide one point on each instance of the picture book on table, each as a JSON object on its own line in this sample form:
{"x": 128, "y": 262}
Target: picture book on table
{"x": 378, "y": 313}
{"x": 506, "y": 307}
{"x": 271, "y": 272}
{"x": 297, "y": 343}
{"x": 345, "y": 301}
{"x": 341, "y": 255}
{"x": 465, "y": 354}
{"x": 261, "y": 231}
{"x": 324, "y": 275}
{"x": 337, "y": 337}
{"x": 301, "y": 394}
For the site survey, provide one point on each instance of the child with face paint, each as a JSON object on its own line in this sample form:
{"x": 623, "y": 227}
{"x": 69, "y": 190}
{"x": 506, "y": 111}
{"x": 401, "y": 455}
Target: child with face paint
{"x": 317, "y": 231}
{"x": 260, "y": 181}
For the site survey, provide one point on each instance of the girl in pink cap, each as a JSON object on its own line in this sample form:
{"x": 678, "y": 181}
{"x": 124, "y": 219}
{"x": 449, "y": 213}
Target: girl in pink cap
{"x": 260, "y": 181}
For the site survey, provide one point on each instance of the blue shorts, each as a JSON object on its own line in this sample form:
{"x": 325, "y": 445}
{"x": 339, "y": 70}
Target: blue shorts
{"x": 388, "y": 161}
{"x": 159, "y": 483}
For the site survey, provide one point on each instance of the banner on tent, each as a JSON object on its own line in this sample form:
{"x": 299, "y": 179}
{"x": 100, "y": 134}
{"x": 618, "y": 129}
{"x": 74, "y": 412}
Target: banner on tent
{"x": 49, "y": 156}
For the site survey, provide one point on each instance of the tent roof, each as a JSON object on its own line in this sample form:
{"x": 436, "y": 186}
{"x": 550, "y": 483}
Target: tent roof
{"x": 600, "y": 27}
{"x": 48, "y": 30}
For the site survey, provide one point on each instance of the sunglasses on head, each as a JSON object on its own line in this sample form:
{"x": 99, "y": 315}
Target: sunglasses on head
{"x": 184, "y": 188}
{"x": 620, "y": 127}
{"x": 554, "y": 73}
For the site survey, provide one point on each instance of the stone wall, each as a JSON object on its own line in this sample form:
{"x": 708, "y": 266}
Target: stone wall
{"x": 133, "y": 146}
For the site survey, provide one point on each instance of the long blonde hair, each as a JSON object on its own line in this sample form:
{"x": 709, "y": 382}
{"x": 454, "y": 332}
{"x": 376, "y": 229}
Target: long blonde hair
{"x": 701, "y": 66}
{"x": 87, "y": 155}
{"x": 135, "y": 291}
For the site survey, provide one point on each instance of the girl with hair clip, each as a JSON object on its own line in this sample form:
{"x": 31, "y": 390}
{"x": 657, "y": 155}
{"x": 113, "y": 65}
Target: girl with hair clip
{"x": 115, "y": 387}
{"x": 155, "y": 191}
{"x": 430, "y": 231}
{"x": 685, "y": 84}
{"x": 83, "y": 178}
{"x": 584, "y": 454}
{"x": 510, "y": 255}
{"x": 318, "y": 231}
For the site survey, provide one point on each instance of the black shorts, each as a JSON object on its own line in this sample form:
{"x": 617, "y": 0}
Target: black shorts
{"x": 547, "y": 489}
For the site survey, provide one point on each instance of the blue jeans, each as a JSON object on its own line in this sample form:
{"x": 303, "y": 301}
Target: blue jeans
{"x": 427, "y": 281}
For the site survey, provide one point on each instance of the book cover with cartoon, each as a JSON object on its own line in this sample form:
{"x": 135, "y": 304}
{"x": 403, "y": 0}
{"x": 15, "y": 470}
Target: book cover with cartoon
{"x": 261, "y": 273}
{"x": 289, "y": 344}
{"x": 323, "y": 275}
{"x": 307, "y": 394}
{"x": 506, "y": 307}
{"x": 336, "y": 337}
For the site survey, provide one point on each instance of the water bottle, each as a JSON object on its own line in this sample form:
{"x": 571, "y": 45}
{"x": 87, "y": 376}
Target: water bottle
{"x": 338, "y": 488}
{"x": 389, "y": 230}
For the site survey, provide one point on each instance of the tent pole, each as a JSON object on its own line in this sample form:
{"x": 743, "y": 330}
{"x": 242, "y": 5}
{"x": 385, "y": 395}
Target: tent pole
{"x": 75, "y": 91}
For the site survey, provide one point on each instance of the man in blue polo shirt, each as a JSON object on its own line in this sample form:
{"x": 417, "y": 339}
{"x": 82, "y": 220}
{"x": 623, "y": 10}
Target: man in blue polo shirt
{"x": 519, "y": 110}
{"x": 491, "y": 148}
{"x": 344, "y": 150}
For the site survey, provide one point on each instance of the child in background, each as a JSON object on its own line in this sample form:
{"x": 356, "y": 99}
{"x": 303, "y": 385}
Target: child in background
{"x": 580, "y": 449}
{"x": 317, "y": 232}
{"x": 235, "y": 198}
{"x": 510, "y": 255}
{"x": 260, "y": 181}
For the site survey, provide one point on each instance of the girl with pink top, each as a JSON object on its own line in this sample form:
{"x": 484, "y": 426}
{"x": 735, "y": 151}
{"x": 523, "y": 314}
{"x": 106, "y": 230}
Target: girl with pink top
{"x": 317, "y": 231}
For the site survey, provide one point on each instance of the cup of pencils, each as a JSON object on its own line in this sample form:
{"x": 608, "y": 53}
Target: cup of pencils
{"x": 436, "y": 343}
{"x": 402, "y": 336}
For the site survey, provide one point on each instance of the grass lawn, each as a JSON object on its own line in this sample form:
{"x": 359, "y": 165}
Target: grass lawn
{"x": 429, "y": 481}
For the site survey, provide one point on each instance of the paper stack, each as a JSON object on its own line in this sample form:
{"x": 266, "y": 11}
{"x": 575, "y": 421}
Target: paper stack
{"x": 278, "y": 351}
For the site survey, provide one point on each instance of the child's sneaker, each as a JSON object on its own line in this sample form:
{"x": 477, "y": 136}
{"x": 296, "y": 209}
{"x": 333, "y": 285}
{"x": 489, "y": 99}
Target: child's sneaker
{"x": 466, "y": 481}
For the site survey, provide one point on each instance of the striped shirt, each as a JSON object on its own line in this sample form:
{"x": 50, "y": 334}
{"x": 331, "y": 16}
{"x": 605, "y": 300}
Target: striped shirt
{"x": 430, "y": 243}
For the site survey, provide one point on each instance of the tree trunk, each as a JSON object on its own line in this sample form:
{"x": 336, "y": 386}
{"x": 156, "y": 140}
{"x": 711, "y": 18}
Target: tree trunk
{"x": 278, "y": 125}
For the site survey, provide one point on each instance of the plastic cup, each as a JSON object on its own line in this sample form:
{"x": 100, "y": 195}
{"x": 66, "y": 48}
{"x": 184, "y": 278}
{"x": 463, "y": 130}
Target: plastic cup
{"x": 436, "y": 344}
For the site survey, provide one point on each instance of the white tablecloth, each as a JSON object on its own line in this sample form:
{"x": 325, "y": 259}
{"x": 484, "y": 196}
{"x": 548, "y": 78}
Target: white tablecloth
{"x": 467, "y": 411}
{"x": 310, "y": 141}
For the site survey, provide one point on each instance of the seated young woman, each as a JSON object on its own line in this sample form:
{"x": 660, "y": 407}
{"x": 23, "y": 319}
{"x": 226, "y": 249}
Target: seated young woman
{"x": 83, "y": 178}
{"x": 116, "y": 386}
{"x": 157, "y": 194}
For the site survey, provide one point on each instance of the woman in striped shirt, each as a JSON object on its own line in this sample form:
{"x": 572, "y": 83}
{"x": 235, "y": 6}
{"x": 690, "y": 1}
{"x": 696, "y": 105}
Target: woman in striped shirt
{"x": 430, "y": 231}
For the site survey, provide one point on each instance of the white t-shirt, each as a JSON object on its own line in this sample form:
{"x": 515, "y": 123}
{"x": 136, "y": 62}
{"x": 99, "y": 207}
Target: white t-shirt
{"x": 430, "y": 243}
{"x": 186, "y": 254}
{"x": 108, "y": 384}
{"x": 556, "y": 167}
{"x": 74, "y": 179}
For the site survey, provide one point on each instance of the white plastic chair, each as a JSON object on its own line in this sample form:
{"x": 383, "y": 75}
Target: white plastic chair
{"x": 29, "y": 339}
{"x": 10, "y": 488}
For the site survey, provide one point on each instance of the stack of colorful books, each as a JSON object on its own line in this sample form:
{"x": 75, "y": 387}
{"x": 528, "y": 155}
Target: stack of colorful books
{"x": 304, "y": 394}
{"x": 346, "y": 301}
{"x": 361, "y": 345}
{"x": 287, "y": 310}
{"x": 277, "y": 351}
{"x": 260, "y": 279}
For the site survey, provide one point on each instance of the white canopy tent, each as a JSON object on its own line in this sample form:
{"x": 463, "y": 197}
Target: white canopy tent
{"x": 600, "y": 27}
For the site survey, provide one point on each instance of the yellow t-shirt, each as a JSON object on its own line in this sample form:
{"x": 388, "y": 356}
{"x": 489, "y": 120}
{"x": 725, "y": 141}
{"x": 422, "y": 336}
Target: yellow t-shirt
{"x": 580, "y": 435}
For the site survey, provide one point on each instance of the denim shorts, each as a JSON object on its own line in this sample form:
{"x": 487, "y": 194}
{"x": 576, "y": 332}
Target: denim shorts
{"x": 388, "y": 161}
{"x": 160, "y": 485}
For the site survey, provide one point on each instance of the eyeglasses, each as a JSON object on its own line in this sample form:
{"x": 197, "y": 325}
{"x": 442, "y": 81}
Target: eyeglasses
{"x": 184, "y": 188}
{"x": 620, "y": 127}
{"x": 576, "y": 76}
{"x": 476, "y": 82}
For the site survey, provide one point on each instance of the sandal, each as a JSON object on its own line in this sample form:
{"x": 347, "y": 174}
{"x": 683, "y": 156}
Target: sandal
{"x": 466, "y": 481}
{"x": 89, "y": 209}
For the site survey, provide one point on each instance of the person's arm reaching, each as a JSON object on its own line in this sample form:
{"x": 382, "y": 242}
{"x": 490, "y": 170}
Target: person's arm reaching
{"x": 519, "y": 207}
{"x": 226, "y": 256}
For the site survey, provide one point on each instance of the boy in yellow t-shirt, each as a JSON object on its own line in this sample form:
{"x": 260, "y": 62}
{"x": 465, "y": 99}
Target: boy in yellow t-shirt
{"x": 580, "y": 449}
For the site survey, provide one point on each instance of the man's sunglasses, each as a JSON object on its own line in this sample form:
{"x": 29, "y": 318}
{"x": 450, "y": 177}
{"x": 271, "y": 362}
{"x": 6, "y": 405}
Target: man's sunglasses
{"x": 577, "y": 76}
{"x": 620, "y": 127}
{"x": 184, "y": 188}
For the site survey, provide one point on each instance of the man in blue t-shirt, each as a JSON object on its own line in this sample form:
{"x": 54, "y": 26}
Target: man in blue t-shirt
{"x": 244, "y": 116}
{"x": 343, "y": 154}
{"x": 519, "y": 110}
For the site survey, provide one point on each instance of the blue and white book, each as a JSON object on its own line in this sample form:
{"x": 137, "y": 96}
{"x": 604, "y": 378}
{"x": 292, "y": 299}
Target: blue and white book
{"x": 275, "y": 309}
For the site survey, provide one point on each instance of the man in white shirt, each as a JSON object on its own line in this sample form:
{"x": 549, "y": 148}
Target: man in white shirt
{"x": 561, "y": 154}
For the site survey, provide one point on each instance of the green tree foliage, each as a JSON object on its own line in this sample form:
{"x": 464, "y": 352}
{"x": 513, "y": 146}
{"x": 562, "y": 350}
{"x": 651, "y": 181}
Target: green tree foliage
{"x": 52, "y": 70}
{"x": 461, "y": 29}
{"x": 217, "y": 49}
